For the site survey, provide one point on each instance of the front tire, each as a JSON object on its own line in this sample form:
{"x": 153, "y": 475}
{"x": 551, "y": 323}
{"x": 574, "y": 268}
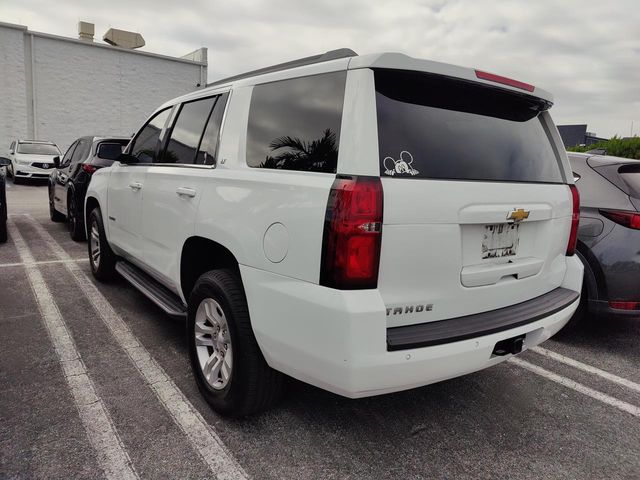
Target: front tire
{"x": 101, "y": 258}
{"x": 230, "y": 371}
{"x": 3, "y": 230}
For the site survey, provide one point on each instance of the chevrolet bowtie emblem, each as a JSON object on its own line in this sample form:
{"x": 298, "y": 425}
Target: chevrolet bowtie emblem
{"x": 518, "y": 215}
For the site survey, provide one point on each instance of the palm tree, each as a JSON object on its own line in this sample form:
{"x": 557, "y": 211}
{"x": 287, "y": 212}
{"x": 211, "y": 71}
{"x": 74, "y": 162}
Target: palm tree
{"x": 319, "y": 155}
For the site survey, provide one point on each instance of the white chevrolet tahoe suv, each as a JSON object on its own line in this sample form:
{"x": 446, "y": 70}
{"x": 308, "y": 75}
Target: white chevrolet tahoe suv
{"x": 366, "y": 224}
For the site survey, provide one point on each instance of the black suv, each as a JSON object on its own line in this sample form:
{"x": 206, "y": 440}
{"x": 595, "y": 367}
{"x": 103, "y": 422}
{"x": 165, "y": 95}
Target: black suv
{"x": 609, "y": 233}
{"x": 69, "y": 180}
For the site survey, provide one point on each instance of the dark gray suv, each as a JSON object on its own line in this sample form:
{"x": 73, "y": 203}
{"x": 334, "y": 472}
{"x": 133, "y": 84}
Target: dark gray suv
{"x": 609, "y": 233}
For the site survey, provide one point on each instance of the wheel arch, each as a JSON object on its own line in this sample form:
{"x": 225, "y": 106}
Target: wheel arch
{"x": 200, "y": 255}
{"x": 90, "y": 203}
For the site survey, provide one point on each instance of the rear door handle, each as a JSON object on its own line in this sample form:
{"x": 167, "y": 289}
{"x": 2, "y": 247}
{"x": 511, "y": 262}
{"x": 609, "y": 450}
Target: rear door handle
{"x": 135, "y": 185}
{"x": 186, "y": 191}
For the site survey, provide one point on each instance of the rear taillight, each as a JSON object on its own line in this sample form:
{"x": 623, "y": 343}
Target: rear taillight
{"x": 492, "y": 77}
{"x": 352, "y": 234}
{"x": 89, "y": 168}
{"x": 627, "y": 219}
{"x": 575, "y": 219}
{"x": 625, "y": 305}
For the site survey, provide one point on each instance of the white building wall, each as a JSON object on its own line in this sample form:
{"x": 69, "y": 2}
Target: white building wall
{"x": 82, "y": 88}
{"x": 13, "y": 96}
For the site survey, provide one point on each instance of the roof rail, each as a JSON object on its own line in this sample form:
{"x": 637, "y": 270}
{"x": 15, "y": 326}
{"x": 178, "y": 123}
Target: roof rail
{"x": 322, "y": 57}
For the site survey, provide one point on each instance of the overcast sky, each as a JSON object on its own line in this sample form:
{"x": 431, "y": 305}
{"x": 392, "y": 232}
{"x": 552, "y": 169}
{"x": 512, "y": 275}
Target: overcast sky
{"x": 587, "y": 53}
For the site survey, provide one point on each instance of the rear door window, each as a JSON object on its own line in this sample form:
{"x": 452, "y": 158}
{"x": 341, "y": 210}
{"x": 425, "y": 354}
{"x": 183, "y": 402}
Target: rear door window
{"x": 295, "y": 124}
{"x": 436, "y": 127}
{"x": 187, "y": 131}
{"x": 208, "y": 149}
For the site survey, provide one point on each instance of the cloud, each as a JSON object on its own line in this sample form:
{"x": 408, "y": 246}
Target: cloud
{"x": 587, "y": 55}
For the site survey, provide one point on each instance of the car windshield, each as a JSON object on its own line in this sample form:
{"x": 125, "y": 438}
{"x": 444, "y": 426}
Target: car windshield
{"x": 38, "y": 149}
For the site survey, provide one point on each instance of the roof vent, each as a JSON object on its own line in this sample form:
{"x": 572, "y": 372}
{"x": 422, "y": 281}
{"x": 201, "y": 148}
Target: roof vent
{"x": 86, "y": 31}
{"x": 124, "y": 39}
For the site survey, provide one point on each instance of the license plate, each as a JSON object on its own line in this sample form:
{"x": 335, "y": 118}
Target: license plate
{"x": 500, "y": 240}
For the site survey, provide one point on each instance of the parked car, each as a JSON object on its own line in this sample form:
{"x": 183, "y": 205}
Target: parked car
{"x": 4, "y": 162}
{"x": 609, "y": 234}
{"x": 31, "y": 159}
{"x": 69, "y": 180}
{"x": 366, "y": 224}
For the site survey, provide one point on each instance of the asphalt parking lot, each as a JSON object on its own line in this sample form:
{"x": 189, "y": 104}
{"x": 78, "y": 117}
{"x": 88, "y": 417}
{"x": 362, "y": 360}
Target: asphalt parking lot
{"x": 95, "y": 382}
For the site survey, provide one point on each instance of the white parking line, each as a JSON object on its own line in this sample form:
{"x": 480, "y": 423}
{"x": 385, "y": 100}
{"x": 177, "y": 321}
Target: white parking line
{"x": 42, "y": 262}
{"x": 587, "y": 368}
{"x": 102, "y": 434}
{"x": 201, "y": 435}
{"x": 578, "y": 387}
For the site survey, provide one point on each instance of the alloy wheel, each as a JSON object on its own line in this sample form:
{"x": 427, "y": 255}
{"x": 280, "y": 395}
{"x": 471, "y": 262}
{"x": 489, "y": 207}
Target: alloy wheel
{"x": 213, "y": 344}
{"x": 94, "y": 242}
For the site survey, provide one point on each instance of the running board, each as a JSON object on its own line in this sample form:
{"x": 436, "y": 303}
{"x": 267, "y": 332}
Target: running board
{"x": 168, "y": 301}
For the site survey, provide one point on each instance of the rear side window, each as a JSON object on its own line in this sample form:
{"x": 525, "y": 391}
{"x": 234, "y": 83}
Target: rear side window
{"x": 430, "y": 126}
{"x": 187, "y": 131}
{"x": 145, "y": 145}
{"x": 295, "y": 124}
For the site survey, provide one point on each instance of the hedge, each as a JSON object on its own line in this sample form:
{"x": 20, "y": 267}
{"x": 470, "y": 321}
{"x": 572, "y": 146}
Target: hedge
{"x": 618, "y": 147}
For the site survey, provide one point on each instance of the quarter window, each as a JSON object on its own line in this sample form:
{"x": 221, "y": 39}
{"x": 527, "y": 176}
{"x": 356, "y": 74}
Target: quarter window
{"x": 145, "y": 145}
{"x": 295, "y": 124}
{"x": 187, "y": 131}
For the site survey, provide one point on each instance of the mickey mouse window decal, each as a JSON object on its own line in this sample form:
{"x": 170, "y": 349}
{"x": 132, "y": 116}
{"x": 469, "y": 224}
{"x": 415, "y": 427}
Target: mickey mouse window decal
{"x": 400, "y": 166}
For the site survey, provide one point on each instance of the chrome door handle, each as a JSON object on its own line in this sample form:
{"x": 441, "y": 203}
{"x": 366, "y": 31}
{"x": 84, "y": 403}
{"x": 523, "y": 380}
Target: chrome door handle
{"x": 135, "y": 185}
{"x": 186, "y": 191}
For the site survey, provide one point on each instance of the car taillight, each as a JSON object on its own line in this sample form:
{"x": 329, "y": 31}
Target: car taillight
{"x": 627, "y": 219}
{"x": 625, "y": 305}
{"x": 352, "y": 234}
{"x": 575, "y": 219}
{"x": 89, "y": 168}
{"x": 492, "y": 77}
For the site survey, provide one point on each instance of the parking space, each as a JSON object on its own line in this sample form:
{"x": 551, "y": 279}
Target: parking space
{"x": 96, "y": 383}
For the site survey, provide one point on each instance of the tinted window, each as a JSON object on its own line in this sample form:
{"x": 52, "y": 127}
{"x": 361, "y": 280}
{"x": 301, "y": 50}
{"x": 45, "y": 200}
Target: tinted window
{"x": 145, "y": 145}
{"x": 209, "y": 144}
{"x": 295, "y": 124}
{"x": 38, "y": 149}
{"x": 431, "y": 126}
{"x": 187, "y": 131}
{"x": 82, "y": 151}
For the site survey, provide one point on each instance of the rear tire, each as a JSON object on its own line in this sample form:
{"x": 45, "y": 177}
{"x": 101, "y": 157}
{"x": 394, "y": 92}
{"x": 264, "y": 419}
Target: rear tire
{"x": 54, "y": 215}
{"x": 218, "y": 310}
{"x": 74, "y": 219}
{"x": 101, "y": 258}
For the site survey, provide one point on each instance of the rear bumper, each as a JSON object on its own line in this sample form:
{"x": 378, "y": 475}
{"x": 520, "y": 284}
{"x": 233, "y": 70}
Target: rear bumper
{"x": 337, "y": 340}
{"x": 602, "y": 308}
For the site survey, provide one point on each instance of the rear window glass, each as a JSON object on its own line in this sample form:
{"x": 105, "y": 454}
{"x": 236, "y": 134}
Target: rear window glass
{"x": 295, "y": 124}
{"x": 630, "y": 174}
{"x": 431, "y": 126}
{"x": 38, "y": 149}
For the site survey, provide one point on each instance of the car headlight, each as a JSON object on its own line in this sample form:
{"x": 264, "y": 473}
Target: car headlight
{"x": 23, "y": 162}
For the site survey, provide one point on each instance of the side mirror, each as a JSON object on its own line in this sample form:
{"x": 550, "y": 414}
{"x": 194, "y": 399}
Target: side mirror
{"x": 127, "y": 159}
{"x": 56, "y": 161}
{"x": 4, "y": 161}
{"x": 109, "y": 151}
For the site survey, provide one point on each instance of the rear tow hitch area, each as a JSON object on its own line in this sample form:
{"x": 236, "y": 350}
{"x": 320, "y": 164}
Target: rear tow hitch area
{"x": 511, "y": 346}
